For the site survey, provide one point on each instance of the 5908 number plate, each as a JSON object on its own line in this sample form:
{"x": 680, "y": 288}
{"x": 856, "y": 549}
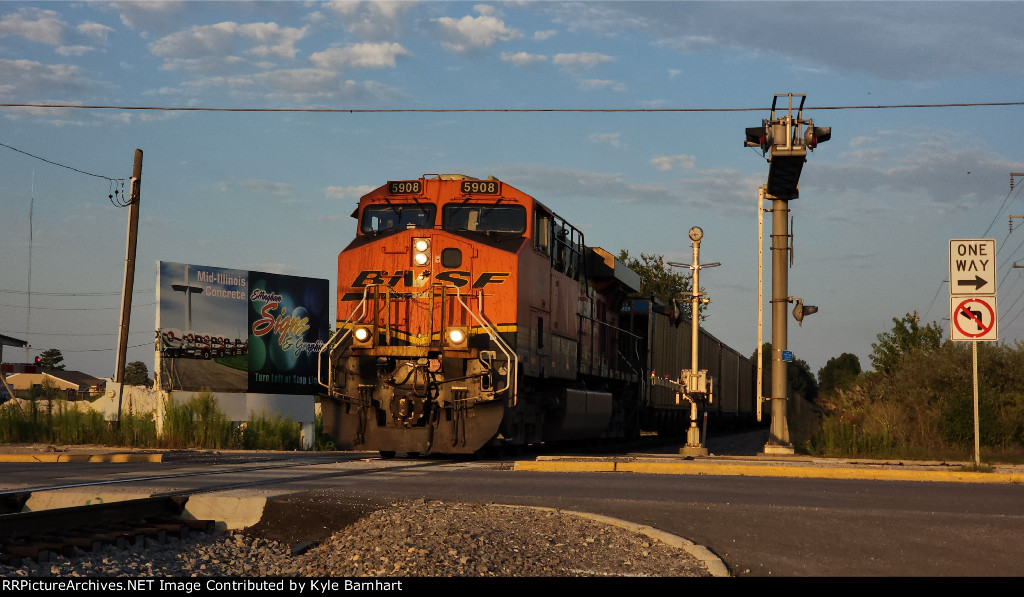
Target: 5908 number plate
{"x": 483, "y": 187}
{"x": 404, "y": 187}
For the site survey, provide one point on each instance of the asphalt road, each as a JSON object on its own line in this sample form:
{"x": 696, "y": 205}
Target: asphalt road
{"x": 758, "y": 525}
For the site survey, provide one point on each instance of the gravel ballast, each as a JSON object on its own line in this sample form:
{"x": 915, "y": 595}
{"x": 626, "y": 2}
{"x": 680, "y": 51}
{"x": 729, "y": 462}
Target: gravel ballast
{"x": 412, "y": 539}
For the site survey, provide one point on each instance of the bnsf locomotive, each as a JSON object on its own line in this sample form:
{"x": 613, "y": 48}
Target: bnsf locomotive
{"x": 471, "y": 315}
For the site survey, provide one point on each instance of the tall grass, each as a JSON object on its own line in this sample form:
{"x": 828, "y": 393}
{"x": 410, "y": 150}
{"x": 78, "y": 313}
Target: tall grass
{"x": 196, "y": 423}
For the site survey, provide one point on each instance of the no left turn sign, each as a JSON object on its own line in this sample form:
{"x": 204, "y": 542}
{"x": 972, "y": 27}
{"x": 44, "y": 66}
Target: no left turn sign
{"x": 973, "y": 319}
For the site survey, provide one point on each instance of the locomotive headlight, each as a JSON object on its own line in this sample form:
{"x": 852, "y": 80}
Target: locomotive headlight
{"x": 362, "y": 337}
{"x": 420, "y": 251}
{"x": 456, "y": 337}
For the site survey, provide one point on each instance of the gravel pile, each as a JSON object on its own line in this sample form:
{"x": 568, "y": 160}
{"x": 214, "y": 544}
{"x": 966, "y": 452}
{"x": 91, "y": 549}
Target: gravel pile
{"x": 410, "y": 539}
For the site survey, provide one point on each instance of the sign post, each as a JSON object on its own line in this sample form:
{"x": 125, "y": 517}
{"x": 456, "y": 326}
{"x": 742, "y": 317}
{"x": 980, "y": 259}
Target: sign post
{"x": 972, "y": 301}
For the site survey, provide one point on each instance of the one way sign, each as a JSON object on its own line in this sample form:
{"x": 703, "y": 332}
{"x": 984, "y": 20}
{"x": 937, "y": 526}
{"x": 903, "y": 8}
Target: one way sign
{"x": 972, "y": 267}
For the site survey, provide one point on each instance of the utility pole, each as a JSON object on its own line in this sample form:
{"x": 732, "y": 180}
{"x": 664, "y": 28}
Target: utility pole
{"x": 129, "y": 278}
{"x": 786, "y": 140}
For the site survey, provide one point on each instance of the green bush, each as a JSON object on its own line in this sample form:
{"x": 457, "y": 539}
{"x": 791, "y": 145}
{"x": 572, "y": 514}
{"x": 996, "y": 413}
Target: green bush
{"x": 923, "y": 406}
{"x": 197, "y": 423}
{"x": 277, "y": 433}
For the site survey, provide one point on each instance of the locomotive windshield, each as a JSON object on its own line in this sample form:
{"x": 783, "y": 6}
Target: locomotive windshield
{"x": 485, "y": 218}
{"x": 397, "y": 216}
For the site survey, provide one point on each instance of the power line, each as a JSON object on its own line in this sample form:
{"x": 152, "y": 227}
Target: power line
{"x": 489, "y": 110}
{"x": 70, "y": 334}
{"x": 72, "y": 308}
{"x": 62, "y": 165}
{"x": 4, "y": 291}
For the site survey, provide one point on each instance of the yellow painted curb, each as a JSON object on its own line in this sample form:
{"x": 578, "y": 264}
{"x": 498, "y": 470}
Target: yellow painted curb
{"x": 668, "y": 468}
{"x": 569, "y": 467}
{"x": 81, "y": 457}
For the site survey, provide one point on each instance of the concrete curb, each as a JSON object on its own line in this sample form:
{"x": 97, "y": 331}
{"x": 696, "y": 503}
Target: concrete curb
{"x": 81, "y": 457}
{"x": 716, "y": 567}
{"x": 766, "y": 470}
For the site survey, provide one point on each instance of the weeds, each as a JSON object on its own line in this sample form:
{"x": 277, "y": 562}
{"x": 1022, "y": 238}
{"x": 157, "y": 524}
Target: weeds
{"x": 197, "y": 423}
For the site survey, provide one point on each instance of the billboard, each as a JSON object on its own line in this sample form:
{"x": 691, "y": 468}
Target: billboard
{"x": 230, "y": 330}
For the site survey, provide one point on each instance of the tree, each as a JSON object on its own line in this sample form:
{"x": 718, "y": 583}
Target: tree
{"x": 906, "y": 336}
{"x": 137, "y": 374}
{"x": 658, "y": 280}
{"x": 51, "y": 359}
{"x": 839, "y": 373}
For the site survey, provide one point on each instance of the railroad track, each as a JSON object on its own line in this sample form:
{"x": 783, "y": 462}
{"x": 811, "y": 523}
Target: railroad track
{"x": 40, "y": 535}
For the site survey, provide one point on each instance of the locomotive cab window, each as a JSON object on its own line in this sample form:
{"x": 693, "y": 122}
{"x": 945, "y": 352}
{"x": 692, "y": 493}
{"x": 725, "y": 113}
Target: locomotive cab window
{"x": 394, "y": 217}
{"x": 510, "y": 219}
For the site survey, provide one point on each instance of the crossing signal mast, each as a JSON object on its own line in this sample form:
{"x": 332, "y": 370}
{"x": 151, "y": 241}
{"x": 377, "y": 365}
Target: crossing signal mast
{"x": 785, "y": 139}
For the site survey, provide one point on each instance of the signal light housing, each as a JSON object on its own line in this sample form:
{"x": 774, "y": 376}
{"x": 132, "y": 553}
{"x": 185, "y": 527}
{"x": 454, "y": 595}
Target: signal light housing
{"x": 801, "y": 310}
{"x": 421, "y": 252}
{"x": 817, "y": 134}
{"x": 758, "y": 137}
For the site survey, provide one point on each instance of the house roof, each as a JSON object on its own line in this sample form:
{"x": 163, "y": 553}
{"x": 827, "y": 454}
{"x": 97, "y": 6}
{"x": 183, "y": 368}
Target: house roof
{"x": 82, "y": 380}
{"x": 9, "y": 341}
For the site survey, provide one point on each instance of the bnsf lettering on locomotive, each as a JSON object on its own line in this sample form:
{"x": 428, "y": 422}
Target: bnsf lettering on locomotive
{"x": 404, "y": 187}
{"x": 458, "y": 278}
{"x": 488, "y": 187}
{"x": 490, "y": 278}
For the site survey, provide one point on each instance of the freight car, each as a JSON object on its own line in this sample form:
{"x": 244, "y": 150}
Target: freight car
{"x": 471, "y": 315}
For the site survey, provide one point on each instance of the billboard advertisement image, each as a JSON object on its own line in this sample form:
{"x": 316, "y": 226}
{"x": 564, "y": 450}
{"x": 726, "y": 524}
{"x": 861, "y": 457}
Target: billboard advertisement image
{"x": 229, "y": 330}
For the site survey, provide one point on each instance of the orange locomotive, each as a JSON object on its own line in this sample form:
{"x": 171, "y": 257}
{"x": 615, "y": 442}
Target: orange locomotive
{"x": 471, "y": 315}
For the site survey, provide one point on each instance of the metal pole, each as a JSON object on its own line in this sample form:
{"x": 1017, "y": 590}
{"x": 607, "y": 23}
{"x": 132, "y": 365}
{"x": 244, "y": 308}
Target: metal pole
{"x": 778, "y": 438}
{"x": 977, "y": 441}
{"x": 129, "y": 278}
{"x": 760, "y": 299}
{"x": 694, "y": 306}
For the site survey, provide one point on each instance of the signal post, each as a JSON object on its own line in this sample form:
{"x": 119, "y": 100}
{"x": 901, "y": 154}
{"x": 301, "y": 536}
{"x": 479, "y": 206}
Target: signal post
{"x": 785, "y": 139}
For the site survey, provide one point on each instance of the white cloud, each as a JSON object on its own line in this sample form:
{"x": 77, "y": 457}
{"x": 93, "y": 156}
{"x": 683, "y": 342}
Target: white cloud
{"x": 372, "y": 20}
{"x": 581, "y": 60}
{"x": 73, "y": 50}
{"x": 368, "y": 55}
{"x": 29, "y": 79}
{"x": 522, "y": 58}
{"x": 543, "y": 35}
{"x": 594, "y": 84}
{"x": 95, "y": 30}
{"x": 470, "y": 34}
{"x": 43, "y": 26}
{"x": 608, "y": 138}
{"x": 667, "y": 162}
{"x": 296, "y": 86}
{"x": 229, "y": 38}
{"x": 282, "y": 189}
{"x": 144, "y": 15}
{"x": 355, "y": 192}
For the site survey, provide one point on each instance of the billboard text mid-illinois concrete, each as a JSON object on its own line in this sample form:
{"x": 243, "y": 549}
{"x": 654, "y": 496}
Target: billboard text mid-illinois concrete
{"x": 230, "y": 330}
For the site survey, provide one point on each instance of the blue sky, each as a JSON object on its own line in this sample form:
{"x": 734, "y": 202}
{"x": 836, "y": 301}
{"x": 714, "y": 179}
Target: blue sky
{"x": 273, "y": 191}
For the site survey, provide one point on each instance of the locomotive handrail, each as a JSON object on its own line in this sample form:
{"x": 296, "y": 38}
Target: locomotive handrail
{"x": 513, "y": 374}
{"x": 335, "y": 339}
